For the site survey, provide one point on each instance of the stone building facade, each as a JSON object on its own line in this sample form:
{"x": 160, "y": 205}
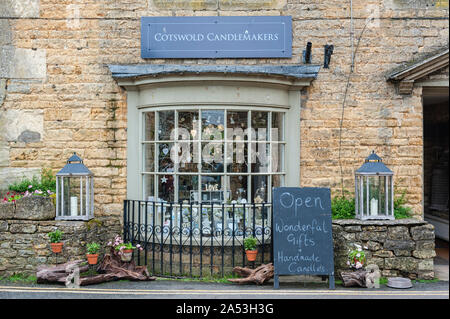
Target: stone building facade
{"x": 58, "y": 95}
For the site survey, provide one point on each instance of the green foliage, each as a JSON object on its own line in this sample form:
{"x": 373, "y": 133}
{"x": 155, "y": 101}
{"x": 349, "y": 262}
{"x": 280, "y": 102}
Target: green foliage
{"x": 55, "y": 236}
{"x": 93, "y": 248}
{"x": 20, "y": 278}
{"x": 124, "y": 246}
{"x": 250, "y": 243}
{"x": 46, "y": 182}
{"x": 342, "y": 207}
{"x": 401, "y": 211}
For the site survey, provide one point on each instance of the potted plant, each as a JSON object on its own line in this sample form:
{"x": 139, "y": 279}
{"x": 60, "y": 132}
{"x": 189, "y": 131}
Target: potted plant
{"x": 356, "y": 258}
{"x": 250, "y": 248}
{"x": 92, "y": 253}
{"x": 124, "y": 250}
{"x": 55, "y": 241}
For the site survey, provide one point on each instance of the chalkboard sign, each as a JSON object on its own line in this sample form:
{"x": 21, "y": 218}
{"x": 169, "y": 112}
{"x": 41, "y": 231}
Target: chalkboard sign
{"x": 302, "y": 237}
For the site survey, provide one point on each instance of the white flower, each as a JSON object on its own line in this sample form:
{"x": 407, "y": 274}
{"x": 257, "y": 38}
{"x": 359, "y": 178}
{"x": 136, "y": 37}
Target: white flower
{"x": 358, "y": 265}
{"x": 358, "y": 255}
{"x": 348, "y": 263}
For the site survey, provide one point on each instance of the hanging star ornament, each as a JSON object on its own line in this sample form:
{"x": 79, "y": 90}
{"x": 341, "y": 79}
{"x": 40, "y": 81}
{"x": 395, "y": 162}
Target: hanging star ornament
{"x": 164, "y": 180}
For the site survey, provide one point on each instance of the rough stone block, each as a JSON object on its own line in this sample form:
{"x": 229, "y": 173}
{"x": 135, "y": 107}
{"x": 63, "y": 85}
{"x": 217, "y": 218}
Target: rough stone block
{"x": 35, "y": 208}
{"x": 251, "y": 4}
{"x": 185, "y": 4}
{"x": 426, "y": 275}
{"x": 383, "y": 254}
{"x": 373, "y": 246}
{"x": 408, "y": 264}
{"x": 7, "y": 210}
{"x": 19, "y": 8}
{"x": 425, "y": 245}
{"x": 14, "y": 122}
{"x": 425, "y": 264}
{"x": 20, "y": 63}
{"x": 399, "y": 244}
{"x": 422, "y": 232}
{"x": 22, "y": 228}
{"x": 375, "y": 228}
{"x": 399, "y": 232}
{"x": 423, "y": 254}
{"x": 3, "y": 226}
{"x": 372, "y": 235}
{"x": 402, "y": 252}
{"x": 352, "y": 229}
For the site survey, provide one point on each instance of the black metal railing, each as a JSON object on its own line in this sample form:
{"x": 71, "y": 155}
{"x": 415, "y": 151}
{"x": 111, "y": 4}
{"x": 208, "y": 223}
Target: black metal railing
{"x": 196, "y": 240}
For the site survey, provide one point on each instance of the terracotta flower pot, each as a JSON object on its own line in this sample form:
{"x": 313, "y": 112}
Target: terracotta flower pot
{"x": 126, "y": 255}
{"x": 92, "y": 258}
{"x": 56, "y": 247}
{"x": 251, "y": 254}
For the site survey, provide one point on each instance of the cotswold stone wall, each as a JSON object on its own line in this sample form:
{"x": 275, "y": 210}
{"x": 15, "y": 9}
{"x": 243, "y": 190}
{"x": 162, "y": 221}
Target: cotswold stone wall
{"x": 57, "y": 95}
{"x": 24, "y": 243}
{"x": 402, "y": 247}
{"x": 399, "y": 248}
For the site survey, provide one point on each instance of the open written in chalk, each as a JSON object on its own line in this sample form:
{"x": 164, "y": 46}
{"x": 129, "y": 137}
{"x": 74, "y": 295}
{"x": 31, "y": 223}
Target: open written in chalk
{"x": 302, "y": 237}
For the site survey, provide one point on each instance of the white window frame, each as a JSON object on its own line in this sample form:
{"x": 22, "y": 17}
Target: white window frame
{"x": 224, "y": 187}
{"x": 213, "y": 90}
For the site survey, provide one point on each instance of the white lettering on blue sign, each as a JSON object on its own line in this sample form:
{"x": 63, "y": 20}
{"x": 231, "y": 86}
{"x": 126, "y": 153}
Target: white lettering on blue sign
{"x": 197, "y": 37}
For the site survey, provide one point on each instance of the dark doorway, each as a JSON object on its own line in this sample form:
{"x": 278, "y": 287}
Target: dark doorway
{"x": 436, "y": 155}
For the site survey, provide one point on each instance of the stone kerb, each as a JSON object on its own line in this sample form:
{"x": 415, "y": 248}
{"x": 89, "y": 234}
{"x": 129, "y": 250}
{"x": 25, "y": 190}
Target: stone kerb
{"x": 403, "y": 247}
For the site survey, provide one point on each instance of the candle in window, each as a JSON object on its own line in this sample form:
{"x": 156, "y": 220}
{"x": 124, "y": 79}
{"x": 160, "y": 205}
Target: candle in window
{"x": 373, "y": 207}
{"x": 73, "y": 206}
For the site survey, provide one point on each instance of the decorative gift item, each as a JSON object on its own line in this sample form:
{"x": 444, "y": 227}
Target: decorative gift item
{"x": 74, "y": 191}
{"x": 125, "y": 250}
{"x": 55, "y": 241}
{"x": 374, "y": 190}
{"x": 356, "y": 258}
{"x": 92, "y": 253}
{"x": 250, "y": 248}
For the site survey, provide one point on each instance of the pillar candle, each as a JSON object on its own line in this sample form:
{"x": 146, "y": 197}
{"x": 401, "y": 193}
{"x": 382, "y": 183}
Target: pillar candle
{"x": 373, "y": 207}
{"x": 73, "y": 206}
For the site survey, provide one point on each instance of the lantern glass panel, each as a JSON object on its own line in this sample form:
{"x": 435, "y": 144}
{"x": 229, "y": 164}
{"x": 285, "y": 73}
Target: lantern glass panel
{"x": 73, "y": 195}
{"x": 365, "y": 197}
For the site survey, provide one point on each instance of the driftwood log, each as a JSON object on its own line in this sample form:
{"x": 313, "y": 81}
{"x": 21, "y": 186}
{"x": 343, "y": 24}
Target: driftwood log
{"x": 110, "y": 268}
{"x": 259, "y": 275}
{"x": 354, "y": 278}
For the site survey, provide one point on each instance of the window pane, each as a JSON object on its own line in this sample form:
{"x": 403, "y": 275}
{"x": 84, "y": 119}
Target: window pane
{"x": 238, "y": 188}
{"x": 212, "y": 191}
{"x": 237, "y": 125}
{"x": 213, "y": 124}
{"x": 277, "y": 131}
{"x": 259, "y": 189}
{"x": 149, "y": 186}
{"x": 165, "y": 163}
{"x": 188, "y": 156}
{"x": 260, "y": 157}
{"x": 166, "y": 188}
{"x": 260, "y": 125}
{"x": 188, "y": 188}
{"x": 212, "y": 157}
{"x": 277, "y": 157}
{"x": 149, "y": 157}
{"x": 166, "y": 124}
{"x": 237, "y": 157}
{"x": 149, "y": 119}
{"x": 188, "y": 125}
